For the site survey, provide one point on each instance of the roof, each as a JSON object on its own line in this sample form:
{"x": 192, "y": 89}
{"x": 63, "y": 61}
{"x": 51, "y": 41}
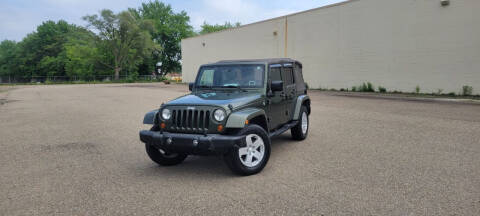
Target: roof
{"x": 266, "y": 60}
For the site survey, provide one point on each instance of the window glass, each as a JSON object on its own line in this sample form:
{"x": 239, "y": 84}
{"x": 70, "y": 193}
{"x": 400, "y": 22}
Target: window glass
{"x": 245, "y": 76}
{"x": 288, "y": 75}
{"x": 275, "y": 73}
{"x": 207, "y": 78}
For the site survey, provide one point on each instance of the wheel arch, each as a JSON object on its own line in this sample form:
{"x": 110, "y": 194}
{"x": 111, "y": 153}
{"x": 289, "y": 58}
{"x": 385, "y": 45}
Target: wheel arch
{"x": 253, "y": 115}
{"x": 150, "y": 117}
{"x": 302, "y": 100}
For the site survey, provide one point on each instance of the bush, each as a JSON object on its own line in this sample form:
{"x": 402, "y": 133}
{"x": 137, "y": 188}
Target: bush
{"x": 417, "y": 89}
{"x": 382, "y": 89}
{"x": 132, "y": 77}
{"x": 365, "y": 87}
{"x": 354, "y": 88}
{"x": 451, "y": 94}
{"x": 467, "y": 90}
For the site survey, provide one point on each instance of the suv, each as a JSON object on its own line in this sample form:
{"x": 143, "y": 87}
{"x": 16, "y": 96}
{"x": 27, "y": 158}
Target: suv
{"x": 233, "y": 110}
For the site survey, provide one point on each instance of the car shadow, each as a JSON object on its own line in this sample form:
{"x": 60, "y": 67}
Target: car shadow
{"x": 193, "y": 166}
{"x": 213, "y": 166}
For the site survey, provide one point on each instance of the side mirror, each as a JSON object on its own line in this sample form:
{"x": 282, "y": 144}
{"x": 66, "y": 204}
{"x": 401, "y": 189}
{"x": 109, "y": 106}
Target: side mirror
{"x": 190, "y": 86}
{"x": 276, "y": 85}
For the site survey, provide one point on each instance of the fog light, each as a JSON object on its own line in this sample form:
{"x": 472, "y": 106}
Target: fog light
{"x": 220, "y": 128}
{"x": 169, "y": 141}
{"x": 195, "y": 142}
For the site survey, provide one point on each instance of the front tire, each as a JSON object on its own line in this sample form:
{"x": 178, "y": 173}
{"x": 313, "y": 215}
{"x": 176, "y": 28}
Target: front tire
{"x": 162, "y": 157}
{"x": 252, "y": 158}
{"x": 300, "y": 131}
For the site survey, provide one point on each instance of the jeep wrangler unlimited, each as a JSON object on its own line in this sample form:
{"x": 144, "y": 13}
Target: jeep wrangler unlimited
{"x": 233, "y": 110}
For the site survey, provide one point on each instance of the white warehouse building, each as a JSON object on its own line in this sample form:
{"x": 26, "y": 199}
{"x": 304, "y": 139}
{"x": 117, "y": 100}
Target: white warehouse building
{"x": 397, "y": 44}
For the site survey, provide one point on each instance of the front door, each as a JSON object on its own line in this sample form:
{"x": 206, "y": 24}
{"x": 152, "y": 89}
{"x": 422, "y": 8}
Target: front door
{"x": 276, "y": 106}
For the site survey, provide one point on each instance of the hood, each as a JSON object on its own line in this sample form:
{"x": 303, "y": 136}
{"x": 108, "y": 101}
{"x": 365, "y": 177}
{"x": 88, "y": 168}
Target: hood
{"x": 223, "y": 99}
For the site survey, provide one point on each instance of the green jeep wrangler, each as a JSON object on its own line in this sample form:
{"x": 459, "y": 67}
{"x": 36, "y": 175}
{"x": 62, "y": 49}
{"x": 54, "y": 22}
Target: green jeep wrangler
{"x": 233, "y": 110}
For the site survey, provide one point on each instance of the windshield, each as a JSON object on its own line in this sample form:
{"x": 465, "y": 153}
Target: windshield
{"x": 242, "y": 76}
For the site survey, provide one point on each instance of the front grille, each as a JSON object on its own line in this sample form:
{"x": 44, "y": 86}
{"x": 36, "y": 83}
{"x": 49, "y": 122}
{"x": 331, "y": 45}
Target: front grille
{"x": 190, "y": 120}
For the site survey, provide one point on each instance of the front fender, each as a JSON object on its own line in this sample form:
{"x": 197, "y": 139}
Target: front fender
{"x": 298, "y": 105}
{"x": 237, "y": 119}
{"x": 150, "y": 117}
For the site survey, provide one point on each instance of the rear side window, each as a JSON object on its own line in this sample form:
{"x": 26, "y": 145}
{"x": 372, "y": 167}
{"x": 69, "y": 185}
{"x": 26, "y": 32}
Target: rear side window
{"x": 288, "y": 75}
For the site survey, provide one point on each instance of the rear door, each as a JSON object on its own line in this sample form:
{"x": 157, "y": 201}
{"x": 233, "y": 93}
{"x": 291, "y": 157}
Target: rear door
{"x": 290, "y": 90}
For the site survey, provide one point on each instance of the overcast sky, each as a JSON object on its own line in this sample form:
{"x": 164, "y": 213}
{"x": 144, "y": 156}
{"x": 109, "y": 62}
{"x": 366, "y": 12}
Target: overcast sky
{"x": 20, "y": 17}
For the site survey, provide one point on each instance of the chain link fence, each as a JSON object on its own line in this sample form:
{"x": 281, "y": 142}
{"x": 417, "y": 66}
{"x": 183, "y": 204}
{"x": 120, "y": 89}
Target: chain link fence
{"x": 73, "y": 79}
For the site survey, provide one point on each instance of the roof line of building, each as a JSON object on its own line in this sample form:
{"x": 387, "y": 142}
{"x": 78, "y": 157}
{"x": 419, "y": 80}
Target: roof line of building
{"x": 280, "y": 17}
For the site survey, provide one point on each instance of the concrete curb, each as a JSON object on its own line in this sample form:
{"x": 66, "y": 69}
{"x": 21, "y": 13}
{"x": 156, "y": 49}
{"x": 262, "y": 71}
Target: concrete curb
{"x": 404, "y": 97}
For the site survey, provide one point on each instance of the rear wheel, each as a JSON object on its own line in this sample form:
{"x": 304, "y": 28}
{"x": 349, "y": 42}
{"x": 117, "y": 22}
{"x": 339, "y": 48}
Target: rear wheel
{"x": 252, "y": 158}
{"x": 163, "y": 157}
{"x": 300, "y": 131}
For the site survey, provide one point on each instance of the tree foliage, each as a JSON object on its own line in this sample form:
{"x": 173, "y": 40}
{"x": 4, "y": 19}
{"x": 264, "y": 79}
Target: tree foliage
{"x": 169, "y": 29}
{"x": 128, "y": 38}
{"x": 132, "y": 41}
{"x": 207, "y": 28}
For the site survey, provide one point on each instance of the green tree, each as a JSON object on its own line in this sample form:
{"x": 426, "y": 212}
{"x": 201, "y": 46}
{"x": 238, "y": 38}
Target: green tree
{"x": 42, "y": 53}
{"x": 126, "y": 38}
{"x": 207, "y": 28}
{"x": 8, "y": 52}
{"x": 82, "y": 56}
{"x": 169, "y": 29}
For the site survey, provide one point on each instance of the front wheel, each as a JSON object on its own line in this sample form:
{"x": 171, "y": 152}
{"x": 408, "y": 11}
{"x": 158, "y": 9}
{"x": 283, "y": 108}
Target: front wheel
{"x": 164, "y": 158}
{"x": 252, "y": 158}
{"x": 161, "y": 156}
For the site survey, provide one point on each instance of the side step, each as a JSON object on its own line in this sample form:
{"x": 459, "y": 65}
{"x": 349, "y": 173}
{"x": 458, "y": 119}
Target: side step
{"x": 283, "y": 128}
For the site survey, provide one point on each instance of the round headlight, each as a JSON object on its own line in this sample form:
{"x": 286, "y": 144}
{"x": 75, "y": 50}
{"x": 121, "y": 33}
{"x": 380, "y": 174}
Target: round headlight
{"x": 166, "y": 114}
{"x": 219, "y": 115}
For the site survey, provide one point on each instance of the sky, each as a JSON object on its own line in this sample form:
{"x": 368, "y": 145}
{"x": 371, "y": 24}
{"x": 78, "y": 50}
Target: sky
{"x": 20, "y": 17}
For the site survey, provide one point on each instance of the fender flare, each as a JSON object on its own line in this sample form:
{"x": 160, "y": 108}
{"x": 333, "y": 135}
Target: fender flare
{"x": 298, "y": 105}
{"x": 151, "y": 117}
{"x": 237, "y": 119}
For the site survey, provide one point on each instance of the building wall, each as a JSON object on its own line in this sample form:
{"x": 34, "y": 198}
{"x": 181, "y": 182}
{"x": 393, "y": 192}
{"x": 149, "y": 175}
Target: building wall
{"x": 398, "y": 44}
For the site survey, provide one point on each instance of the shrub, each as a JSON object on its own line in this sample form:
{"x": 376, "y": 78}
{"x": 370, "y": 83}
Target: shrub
{"x": 370, "y": 87}
{"x": 354, "y": 88}
{"x": 132, "y": 77}
{"x": 417, "y": 89}
{"x": 467, "y": 90}
{"x": 451, "y": 94}
{"x": 382, "y": 89}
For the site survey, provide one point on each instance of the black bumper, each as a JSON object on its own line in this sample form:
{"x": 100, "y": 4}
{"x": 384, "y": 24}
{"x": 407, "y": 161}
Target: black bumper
{"x": 192, "y": 143}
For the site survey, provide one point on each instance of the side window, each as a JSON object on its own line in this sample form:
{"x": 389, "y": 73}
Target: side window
{"x": 275, "y": 73}
{"x": 288, "y": 75}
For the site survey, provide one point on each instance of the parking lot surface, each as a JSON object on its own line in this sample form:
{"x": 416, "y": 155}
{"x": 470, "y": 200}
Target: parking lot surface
{"x": 74, "y": 150}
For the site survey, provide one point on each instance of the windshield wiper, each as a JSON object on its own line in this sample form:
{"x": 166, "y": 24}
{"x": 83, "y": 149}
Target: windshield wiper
{"x": 234, "y": 86}
{"x": 204, "y": 86}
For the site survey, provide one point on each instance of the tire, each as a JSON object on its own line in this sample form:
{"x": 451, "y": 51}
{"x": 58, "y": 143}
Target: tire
{"x": 251, "y": 159}
{"x": 162, "y": 157}
{"x": 300, "y": 131}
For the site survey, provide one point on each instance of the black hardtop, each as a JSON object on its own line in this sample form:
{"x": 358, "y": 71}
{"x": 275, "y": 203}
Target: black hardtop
{"x": 261, "y": 61}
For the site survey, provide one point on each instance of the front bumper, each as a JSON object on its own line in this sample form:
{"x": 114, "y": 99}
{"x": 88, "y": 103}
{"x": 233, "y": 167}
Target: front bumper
{"x": 192, "y": 143}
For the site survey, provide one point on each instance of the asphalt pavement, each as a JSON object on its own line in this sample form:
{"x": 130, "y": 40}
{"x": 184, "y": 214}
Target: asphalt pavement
{"x": 74, "y": 150}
